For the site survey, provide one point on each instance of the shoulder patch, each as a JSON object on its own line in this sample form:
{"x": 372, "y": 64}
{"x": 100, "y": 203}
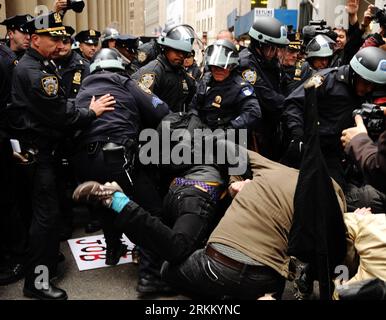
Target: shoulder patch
{"x": 142, "y": 56}
{"x": 147, "y": 80}
{"x": 247, "y": 92}
{"x": 50, "y": 85}
{"x": 314, "y": 82}
{"x": 156, "y": 101}
{"x": 143, "y": 88}
{"x": 250, "y": 76}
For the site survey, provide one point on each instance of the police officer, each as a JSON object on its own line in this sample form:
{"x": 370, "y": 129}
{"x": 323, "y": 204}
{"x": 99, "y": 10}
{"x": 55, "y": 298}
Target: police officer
{"x": 12, "y": 228}
{"x": 41, "y": 116}
{"x": 88, "y": 42}
{"x": 105, "y": 145}
{"x": 127, "y": 45}
{"x": 343, "y": 90}
{"x": 191, "y": 66}
{"x": 109, "y": 37}
{"x": 147, "y": 52}
{"x": 166, "y": 76}
{"x": 319, "y": 53}
{"x": 17, "y": 35}
{"x": 223, "y": 98}
{"x": 72, "y": 67}
{"x": 259, "y": 66}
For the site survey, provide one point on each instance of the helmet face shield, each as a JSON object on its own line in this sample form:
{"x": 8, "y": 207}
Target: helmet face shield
{"x": 180, "y": 38}
{"x": 221, "y": 56}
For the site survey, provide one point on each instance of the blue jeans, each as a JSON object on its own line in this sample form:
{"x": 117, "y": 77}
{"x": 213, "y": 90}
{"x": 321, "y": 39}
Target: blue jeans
{"x": 201, "y": 275}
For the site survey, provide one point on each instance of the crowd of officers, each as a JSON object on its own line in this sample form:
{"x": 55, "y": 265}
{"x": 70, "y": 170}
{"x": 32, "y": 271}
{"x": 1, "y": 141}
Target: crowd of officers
{"x": 72, "y": 108}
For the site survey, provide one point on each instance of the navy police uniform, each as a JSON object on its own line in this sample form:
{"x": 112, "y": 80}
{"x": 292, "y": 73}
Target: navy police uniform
{"x": 41, "y": 116}
{"x": 267, "y": 80}
{"x": 103, "y": 145}
{"x": 336, "y": 102}
{"x": 172, "y": 85}
{"x": 228, "y": 104}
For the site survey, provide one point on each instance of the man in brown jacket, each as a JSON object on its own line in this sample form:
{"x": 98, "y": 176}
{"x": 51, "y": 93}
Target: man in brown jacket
{"x": 370, "y": 156}
{"x": 246, "y": 255}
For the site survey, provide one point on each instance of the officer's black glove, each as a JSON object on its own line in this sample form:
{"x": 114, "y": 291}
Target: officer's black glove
{"x": 294, "y": 154}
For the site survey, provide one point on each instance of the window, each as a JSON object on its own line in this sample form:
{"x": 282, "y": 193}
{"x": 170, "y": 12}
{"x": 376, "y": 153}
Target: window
{"x": 131, "y": 15}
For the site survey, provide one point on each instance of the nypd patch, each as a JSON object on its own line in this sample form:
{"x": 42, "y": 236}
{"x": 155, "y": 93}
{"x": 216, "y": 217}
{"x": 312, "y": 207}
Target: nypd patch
{"x": 247, "y": 92}
{"x": 142, "y": 56}
{"x": 250, "y": 76}
{"x": 156, "y": 101}
{"x": 147, "y": 80}
{"x": 50, "y": 85}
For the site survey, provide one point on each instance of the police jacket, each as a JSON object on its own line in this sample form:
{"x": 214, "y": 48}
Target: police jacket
{"x": 296, "y": 76}
{"x": 337, "y": 100}
{"x": 136, "y": 108}
{"x": 231, "y": 103}
{"x": 8, "y": 62}
{"x": 194, "y": 71}
{"x": 39, "y": 111}
{"x": 266, "y": 78}
{"x": 73, "y": 70}
{"x": 172, "y": 85}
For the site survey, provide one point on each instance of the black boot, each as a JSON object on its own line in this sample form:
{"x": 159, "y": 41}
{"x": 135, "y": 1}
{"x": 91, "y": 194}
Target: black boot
{"x": 50, "y": 293}
{"x": 11, "y": 274}
{"x": 114, "y": 254}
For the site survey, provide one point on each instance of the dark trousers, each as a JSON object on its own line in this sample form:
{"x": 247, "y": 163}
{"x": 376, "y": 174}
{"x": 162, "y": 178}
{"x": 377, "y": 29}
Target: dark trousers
{"x": 13, "y": 229}
{"x": 43, "y": 246}
{"x": 201, "y": 276}
{"x": 92, "y": 164}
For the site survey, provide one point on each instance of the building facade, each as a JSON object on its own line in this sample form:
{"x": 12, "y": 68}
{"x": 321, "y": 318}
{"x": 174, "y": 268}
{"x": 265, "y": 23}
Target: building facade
{"x": 126, "y": 15}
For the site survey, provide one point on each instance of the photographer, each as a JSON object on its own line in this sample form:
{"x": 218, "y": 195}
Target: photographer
{"x": 370, "y": 156}
{"x": 378, "y": 39}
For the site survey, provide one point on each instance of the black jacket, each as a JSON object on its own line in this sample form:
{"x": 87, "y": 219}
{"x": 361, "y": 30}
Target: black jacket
{"x": 336, "y": 102}
{"x": 73, "y": 71}
{"x": 39, "y": 112}
{"x": 170, "y": 84}
{"x": 231, "y": 103}
{"x": 135, "y": 109}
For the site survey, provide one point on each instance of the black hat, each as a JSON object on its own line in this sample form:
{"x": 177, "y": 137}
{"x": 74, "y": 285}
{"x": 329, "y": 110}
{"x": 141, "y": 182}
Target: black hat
{"x": 69, "y": 30}
{"x": 16, "y": 22}
{"x": 88, "y": 37}
{"x": 296, "y": 41}
{"x": 51, "y": 24}
{"x": 127, "y": 42}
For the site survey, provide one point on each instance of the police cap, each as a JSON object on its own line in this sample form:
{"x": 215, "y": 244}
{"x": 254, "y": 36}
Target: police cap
{"x": 49, "y": 24}
{"x": 17, "y": 22}
{"x": 128, "y": 42}
{"x": 88, "y": 37}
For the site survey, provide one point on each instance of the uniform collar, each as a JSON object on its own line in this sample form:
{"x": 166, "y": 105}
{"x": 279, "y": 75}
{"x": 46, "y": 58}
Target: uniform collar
{"x": 35, "y": 54}
{"x": 162, "y": 58}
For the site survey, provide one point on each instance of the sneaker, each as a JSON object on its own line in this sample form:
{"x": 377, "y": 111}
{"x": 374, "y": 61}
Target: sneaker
{"x": 92, "y": 192}
{"x": 114, "y": 254}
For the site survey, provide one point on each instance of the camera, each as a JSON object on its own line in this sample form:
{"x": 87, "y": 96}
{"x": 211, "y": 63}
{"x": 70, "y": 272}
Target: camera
{"x": 373, "y": 118}
{"x": 318, "y": 28}
{"x": 75, "y": 5}
{"x": 379, "y": 16}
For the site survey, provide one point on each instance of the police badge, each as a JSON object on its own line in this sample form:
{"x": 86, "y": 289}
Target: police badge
{"x": 50, "y": 85}
{"x": 77, "y": 78}
{"x": 142, "y": 56}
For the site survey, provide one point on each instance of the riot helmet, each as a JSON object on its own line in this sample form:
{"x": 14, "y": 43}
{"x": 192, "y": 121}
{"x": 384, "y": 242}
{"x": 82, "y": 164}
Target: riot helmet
{"x": 179, "y": 37}
{"x": 107, "y": 59}
{"x": 270, "y": 31}
{"x": 370, "y": 64}
{"x": 320, "y": 47}
{"x": 109, "y": 34}
{"x": 223, "y": 54}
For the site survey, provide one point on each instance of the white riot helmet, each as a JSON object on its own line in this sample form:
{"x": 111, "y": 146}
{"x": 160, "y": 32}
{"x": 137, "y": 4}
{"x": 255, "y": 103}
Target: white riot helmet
{"x": 107, "y": 59}
{"x": 179, "y": 37}
{"x": 320, "y": 47}
{"x": 370, "y": 64}
{"x": 223, "y": 54}
{"x": 269, "y": 30}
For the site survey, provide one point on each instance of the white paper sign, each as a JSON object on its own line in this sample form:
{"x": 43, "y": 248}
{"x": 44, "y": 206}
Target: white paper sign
{"x": 90, "y": 252}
